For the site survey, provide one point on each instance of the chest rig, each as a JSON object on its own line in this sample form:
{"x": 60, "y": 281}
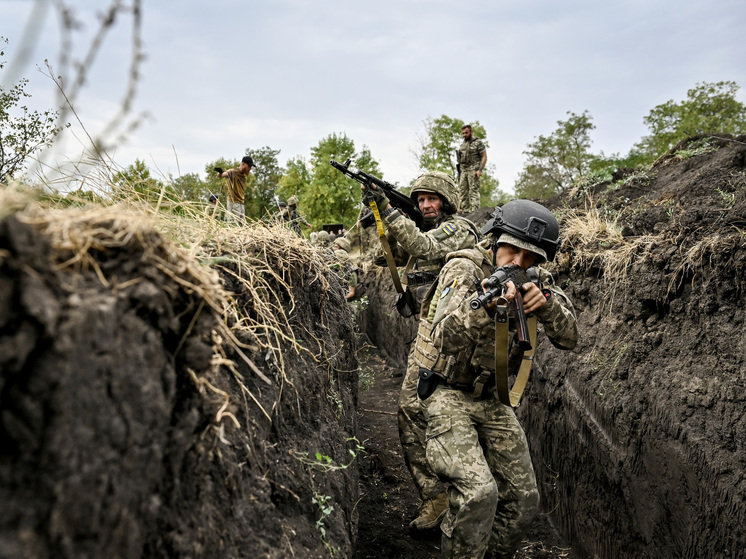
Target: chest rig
{"x": 485, "y": 368}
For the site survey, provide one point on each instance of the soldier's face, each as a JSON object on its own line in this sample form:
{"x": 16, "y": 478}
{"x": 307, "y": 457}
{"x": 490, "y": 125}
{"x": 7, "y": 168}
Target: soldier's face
{"x": 430, "y": 204}
{"x": 466, "y": 133}
{"x": 508, "y": 255}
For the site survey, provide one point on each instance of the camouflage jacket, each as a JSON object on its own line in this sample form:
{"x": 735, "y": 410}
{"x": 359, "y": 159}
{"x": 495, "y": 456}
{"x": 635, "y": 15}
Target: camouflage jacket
{"x": 296, "y": 220}
{"x": 428, "y": 248}
{"x": 459, "y": 330}
{"x": 470, "y": 153}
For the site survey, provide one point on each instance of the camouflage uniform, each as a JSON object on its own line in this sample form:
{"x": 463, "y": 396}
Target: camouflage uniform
{"x": 469, "y": 159}
{"x": 426, "y": 252}
{"x": 477, "y": 444}
{"x": 293, "y": 217}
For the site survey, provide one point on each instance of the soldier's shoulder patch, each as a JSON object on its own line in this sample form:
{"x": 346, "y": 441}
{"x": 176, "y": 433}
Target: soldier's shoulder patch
{"x": 449, "y": 229}
{"x": 448, "y": 288}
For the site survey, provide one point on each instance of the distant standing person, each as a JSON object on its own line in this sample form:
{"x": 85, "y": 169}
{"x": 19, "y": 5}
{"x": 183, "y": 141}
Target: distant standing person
{"x": 236, "y": 189}
{"x": 472, "y": 158}
{"x": 294, "y": 217}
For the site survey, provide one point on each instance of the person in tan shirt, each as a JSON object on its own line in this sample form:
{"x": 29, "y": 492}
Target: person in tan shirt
{"x": 236, "y": 188}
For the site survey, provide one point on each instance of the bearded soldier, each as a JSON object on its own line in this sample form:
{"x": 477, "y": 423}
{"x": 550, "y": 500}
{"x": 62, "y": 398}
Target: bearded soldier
{"x": 425, "y": 250}
{"x": 474, "y": 440}
{"x": 472, "y": 157}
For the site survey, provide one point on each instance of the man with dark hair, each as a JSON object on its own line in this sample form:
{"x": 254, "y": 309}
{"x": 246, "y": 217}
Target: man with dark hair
{"x": 474, "y": 441}
{"x": 472, "y": 157}
{"x": 423, "y": 253}
{"x": 236, "y": 189}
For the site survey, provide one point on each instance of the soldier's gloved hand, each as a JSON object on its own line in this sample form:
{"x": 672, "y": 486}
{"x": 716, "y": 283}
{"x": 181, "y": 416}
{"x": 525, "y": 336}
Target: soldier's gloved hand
{"x": 372, "y": 193}
{"x": 218, "y": 170}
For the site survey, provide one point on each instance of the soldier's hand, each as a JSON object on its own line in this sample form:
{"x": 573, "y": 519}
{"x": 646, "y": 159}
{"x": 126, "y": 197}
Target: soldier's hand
{"x": 371, "y": 193}
{"x": 533, "y": 297}
{"x": 219, "y": 170}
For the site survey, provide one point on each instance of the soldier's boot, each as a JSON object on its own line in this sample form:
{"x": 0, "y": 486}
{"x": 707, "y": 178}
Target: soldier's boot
{"x": 431, "y": 513}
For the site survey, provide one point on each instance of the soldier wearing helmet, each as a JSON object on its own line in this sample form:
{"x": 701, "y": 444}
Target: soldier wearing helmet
{"x": 424, "y": 253}
{"x": 471, "y": 432}
{"x": 293, "y": 216}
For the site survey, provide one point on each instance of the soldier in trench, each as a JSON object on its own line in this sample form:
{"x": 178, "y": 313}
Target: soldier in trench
{"x": 474, "y": 441}
{"x": 424, "y": 252}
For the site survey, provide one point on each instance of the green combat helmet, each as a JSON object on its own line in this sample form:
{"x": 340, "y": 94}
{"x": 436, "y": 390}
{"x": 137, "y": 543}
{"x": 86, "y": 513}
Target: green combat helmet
{"x": 343, "y": 243}
{"x": 322, "y": 238}
{"x": 440, "y": 183}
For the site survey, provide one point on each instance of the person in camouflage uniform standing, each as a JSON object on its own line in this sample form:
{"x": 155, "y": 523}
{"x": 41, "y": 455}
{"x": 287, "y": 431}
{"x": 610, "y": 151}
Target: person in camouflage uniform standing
{"x": 473, "y": 440}
{"x": 472, "y": 158}
{"x": 293, "y": 216}
{"x": 424, "y": 253}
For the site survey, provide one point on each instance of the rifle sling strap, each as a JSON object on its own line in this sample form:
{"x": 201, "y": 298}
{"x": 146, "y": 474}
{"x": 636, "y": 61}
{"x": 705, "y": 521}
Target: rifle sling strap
{"x": 386, "y": 248}
{"x": 507, "y": 395}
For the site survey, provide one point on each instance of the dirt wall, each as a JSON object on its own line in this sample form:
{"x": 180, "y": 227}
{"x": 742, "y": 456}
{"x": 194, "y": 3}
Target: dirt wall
{"x": 131, "y": 426}
{"x": 638, "y": 434}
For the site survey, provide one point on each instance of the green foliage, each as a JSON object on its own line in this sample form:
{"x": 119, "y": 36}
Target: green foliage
{"x": 136, "y": 182}
{"x": 191, "y": 187}
{"x": 22, "y": 132}
{"x": 557, "y": 161}
{"x": 709, "y": 108}
{"x": 325, "y": 195}
{"x": 261, "y": 187}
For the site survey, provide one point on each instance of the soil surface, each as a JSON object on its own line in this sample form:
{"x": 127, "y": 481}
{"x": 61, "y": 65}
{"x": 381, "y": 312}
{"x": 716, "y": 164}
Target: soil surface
{"x": 388, "y": 500}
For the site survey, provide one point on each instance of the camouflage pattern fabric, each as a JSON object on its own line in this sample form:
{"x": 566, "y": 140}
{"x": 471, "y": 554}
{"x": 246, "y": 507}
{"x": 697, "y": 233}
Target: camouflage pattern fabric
{"x": 295, "y": 219}
{"x": 236, "y": 185}
{"x": 430, "y": 248}
{"x": 477, "y": 445}
{"x": 469, "y": 158}
{"x": 468, "y": 190}
{"x": 236, "y": 212}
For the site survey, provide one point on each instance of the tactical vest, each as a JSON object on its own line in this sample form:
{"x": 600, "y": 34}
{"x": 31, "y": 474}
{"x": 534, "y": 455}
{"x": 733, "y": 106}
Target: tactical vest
{"x": 473, "y": 368}
{"x": 420, "y": 274}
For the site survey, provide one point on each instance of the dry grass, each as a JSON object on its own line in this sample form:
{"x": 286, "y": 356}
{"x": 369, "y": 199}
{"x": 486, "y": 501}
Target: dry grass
{"x": 597, "y": 242}
{"x": 190, "y": 248}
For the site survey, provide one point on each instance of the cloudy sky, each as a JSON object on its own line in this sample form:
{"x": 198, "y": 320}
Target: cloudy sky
{"x": 221, "y": 76}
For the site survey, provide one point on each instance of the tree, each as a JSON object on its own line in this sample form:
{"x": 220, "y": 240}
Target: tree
{"x": 709, "y": 108}
{"x": 22, "y": 132}
{"x": 557, "y": 161}
{"x": 136, "y": 181}
{"x": 261, "y": 191}
{"x": 437, "y": 152}
{"x": 191, "y": 187}
{"x": 326, "y": 195}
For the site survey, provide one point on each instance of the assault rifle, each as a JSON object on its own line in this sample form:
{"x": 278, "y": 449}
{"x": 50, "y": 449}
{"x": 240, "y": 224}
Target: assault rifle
{"x": 495, "y": 286}
{"x": 400, "y": 201}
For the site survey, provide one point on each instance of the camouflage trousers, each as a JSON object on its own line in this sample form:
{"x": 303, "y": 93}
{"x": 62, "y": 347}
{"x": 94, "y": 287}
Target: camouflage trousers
{"x": 412, "y": 427}
{"x": 480, "y": 448}
{"x": 236, "y": 212}
{"x": 468, "y": 189}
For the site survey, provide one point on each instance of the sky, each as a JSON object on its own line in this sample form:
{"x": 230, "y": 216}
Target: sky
{"x": 223, "y": 76}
